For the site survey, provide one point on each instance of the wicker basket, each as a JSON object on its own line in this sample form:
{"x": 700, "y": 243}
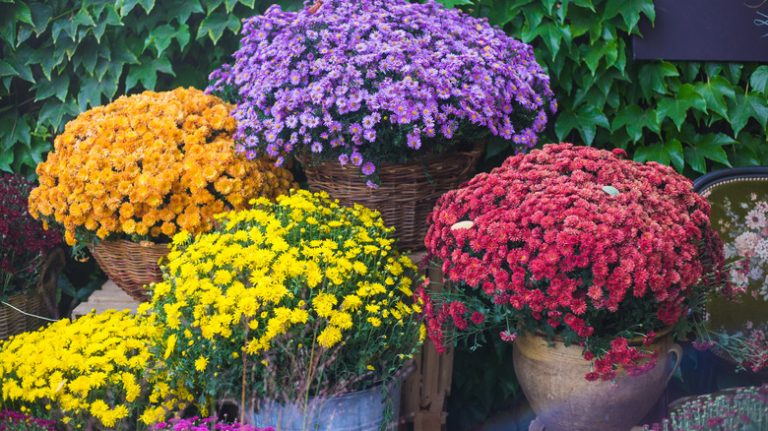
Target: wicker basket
{"x": 131, "y": 265}
{"x": 408, "y": 191}
{"x": 40, "y": 301}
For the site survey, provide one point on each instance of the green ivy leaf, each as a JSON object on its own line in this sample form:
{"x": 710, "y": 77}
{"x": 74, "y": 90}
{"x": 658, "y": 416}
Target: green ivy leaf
{"x": 759, "y": 80}
{"x": 146, "y": 73}
{"x": 6, "y": 69}
{"x": 744, "y": 107}
{"x": 23, "y": 13}
{"x": 160, "y": 38}
{"x": 635, "y": 119}
{"x": 708, "y": 146}
{"x": 57, "y": 86}
{"x": 215, "y": 24}
{"x": 651, "y": 77}
{"x": 585, "y": 120}
{"x": 716, "y": 92}
{"x": 183, "y": 9}
{"x": 676, "y": 107}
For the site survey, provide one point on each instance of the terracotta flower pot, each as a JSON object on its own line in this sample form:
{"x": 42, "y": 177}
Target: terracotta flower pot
{"x": 552, "y": 379}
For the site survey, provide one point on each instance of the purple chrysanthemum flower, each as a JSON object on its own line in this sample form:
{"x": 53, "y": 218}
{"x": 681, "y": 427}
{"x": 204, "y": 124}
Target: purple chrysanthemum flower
{"x": 352, "y": 70}
{"x": 368, "y": 168}
{"x": 343, "y": 159}
{"x": 356, "y": 158}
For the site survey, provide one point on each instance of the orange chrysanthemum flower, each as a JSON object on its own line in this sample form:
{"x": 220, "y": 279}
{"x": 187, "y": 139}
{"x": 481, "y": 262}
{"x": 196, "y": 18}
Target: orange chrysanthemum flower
{"x": 149, "y": 165}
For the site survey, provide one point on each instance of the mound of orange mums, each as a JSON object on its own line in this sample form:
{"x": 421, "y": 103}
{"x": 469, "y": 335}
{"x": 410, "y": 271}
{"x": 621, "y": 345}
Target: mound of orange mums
{"x": 147, "y": 166}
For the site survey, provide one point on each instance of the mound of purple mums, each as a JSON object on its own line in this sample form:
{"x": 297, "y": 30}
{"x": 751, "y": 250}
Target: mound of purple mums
{"x": 363, "y": 80}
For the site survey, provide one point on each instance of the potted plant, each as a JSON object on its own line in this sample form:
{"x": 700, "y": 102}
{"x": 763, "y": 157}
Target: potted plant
{"x": 29, "y": 261}
{"x": 301, "y": 310}
{"x": 588, "y": 262}
{"x": 390, "y": 95}
{"x": 125, "y": 177}
{"x": 734, "y": 409}
{"x": 94, "y": 373}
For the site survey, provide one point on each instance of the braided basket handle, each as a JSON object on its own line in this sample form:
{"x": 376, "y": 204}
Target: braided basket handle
{"x": 46, "y": 284}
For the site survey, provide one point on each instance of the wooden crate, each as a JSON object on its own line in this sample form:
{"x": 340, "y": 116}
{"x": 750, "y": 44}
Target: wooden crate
{"x": 426, "y": 390}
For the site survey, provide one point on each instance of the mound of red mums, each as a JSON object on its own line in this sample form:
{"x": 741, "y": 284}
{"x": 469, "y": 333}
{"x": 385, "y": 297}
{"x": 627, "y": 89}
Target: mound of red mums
{"x": 565, "y": 239}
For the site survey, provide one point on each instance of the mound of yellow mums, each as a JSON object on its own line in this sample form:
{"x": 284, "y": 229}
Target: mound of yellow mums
{"x": 147, "y": 166}
{"x": 293, "y": 297}
{"x": 99, "y": 366}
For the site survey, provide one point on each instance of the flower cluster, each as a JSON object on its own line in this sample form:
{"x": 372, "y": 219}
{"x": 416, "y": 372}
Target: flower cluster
{"x": 17, "y": 421}
{"x": 23, "y": 241}
{"x": 297, "y": 296}
{"x": 368, "y": 81}
{"x": 745, "y": 233}
{"x": 93, "y": 367}
{"x": 580, "y": 242}
{"x": 739, "y": 409}
{"x": 147, "y": 166}
{"x": 748, "y": 348}
{"x": 207, "y": 424}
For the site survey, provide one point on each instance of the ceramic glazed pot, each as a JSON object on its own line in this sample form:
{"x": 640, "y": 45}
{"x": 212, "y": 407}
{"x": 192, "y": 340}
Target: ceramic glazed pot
{"x": 552, "y": 378}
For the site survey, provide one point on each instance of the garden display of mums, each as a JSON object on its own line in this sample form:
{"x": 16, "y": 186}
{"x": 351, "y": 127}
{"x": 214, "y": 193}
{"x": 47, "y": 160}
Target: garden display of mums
{"x": 574, "y": 242}
{"x": 376, "y": 81}
{"x": 285, "y": 303}
{"x": 98, "y": 370}
{"x": 141, "y": 169}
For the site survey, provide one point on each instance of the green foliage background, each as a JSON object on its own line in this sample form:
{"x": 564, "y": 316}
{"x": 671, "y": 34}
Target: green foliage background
{"x": 695, "y": 116}
{"x": 60, "y": 57}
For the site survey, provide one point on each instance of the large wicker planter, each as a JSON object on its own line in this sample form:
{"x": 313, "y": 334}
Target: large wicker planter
{"x": 131, "y": 265}
{"x": 19, "y": 314}
{"x": 408, "y": 191}
{"x": 552, "y": 378}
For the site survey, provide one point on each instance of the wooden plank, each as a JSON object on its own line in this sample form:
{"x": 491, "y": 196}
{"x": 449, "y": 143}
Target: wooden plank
{"x": 109, "y": 297}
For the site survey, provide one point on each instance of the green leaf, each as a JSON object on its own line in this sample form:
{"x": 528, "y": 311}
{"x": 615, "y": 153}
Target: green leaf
{"x": 146, "y": 73}
{"x": 23, "y": 14}
{"x": 708, "y": 146}
{"x": 715, "y": 92}
{"x": 674, "y": 149}
{"x": 584, "y": 119}
{"x": 676, "y": 108}
{"x": 14, "y": 129}
{"x": 215, "y": 24}
{"x": 51, "y": 113}
{"x": 182, "y": 9}
{"x": 594, "y": 54}
{"x": 89, "y": 95}
{"x": 83, "y": 18}
{"x": 148, "y": 5}
{"x": 58, "y": 86}
{"x": 634, "y": 119}
{"x": 160, "y": 38}
{"x": 744, "y": 107}
{"x": 651, "y": 77}
{"x": 670, "y": 151}
{"x": 229, "y": 5}
{"x": 6, "y": 69}
{"x": 759, "y": 80}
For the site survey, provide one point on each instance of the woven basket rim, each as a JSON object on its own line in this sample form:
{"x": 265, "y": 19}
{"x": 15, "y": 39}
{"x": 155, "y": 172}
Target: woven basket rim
{"x": 308, "y": 160}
